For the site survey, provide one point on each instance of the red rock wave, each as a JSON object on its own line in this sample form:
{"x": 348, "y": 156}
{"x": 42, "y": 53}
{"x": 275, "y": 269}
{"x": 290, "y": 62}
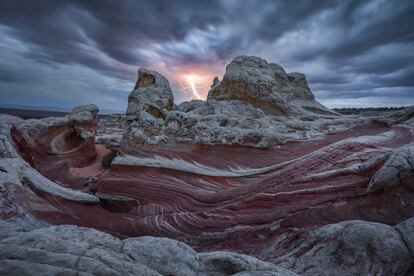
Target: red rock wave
{"x": 253, "y": 213}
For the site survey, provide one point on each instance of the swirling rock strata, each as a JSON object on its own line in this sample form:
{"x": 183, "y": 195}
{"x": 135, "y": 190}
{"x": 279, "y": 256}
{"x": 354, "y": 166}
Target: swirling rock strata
{"x": 308, "y": 193}
{"x": 64, "y": 135}
{"x": 214, "y": 198}
{"x": 260, "y": 205}
{"x": 26, "y": 142}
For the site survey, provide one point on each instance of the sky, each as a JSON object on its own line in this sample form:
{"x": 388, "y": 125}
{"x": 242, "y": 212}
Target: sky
{"x": 65, "y": 53}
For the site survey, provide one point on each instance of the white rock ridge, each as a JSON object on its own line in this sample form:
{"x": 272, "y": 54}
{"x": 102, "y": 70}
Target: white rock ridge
{"x": 18, "y": 171}
{"x": 257, "y": 104}
{"x": 268, "y": 87}
{"x": 72, "y": 250}
{"x": 350, "y": 248}
{"x": 397, "y": 168}
{"x": 82, "y": 120}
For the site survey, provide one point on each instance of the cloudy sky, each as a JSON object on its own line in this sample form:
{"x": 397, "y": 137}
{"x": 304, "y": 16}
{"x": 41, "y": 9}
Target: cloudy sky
{"x": 65, "y": 53}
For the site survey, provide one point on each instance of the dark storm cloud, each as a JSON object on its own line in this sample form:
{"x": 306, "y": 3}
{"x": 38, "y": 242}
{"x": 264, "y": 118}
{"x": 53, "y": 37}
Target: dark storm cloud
{"x": 115, "y": 27}
{"x": 389, "y": 22}
{"x": 348, "y": 49}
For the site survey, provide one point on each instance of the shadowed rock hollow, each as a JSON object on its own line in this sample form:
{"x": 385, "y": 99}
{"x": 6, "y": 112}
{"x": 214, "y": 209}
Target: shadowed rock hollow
{"x": 260, "y": 179}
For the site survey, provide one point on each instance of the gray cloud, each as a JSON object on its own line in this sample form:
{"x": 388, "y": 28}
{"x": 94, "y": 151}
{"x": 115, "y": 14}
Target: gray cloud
{"x": 348, "y": 49}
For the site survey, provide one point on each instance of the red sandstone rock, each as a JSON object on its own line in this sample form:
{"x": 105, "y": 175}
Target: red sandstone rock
{"x": 287, "y": 190}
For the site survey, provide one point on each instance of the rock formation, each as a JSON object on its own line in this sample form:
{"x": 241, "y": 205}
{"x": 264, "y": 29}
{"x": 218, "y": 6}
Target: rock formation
{"x": 406, "y": 230}
{"x": 24, "y": 142}
{"x": 240, "y": 110}
{"x": 72, "y": 250}
{"x": 349, "y": 248}
{"x": 398, "y": 168}
{"x": 64, "y": 135}
{"x": 148, "y": 105}
{"x": 267, "y": 86}
{"x": 152, "y": 94}
{"x": 260, "y": 179}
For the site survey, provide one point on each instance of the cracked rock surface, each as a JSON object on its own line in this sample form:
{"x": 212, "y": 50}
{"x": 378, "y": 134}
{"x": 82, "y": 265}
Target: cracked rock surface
{"x": 350, "y": 248}
{"x": 398, "y": 168}
{"x": 73, "y": 250}
{"x": 257, "y": 104}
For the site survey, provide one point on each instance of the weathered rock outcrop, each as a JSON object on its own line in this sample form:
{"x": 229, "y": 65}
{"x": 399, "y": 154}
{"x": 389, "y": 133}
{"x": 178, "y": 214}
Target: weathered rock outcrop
{"x": 398, "y": 117}
{"x": 148, "y": 105}
{"x": 68, "y": 136}
{"x": 198, "y": 173}
{"x": 151, "y": 94}
{"x": 349, "y": 248}
{"x": 239, "y": 110}
{"x": 72, "y": 250}
{"x": 406, "y": 229}
{"x": 64, "y": 135}
{"x": 268, "y": 87}
{"x": 7, "y": 148}
{"x": 110, "y": 130}
{"x": 399, "y": 167}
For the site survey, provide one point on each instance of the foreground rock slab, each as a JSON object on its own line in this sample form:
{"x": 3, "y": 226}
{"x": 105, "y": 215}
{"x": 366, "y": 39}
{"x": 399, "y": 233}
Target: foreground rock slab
{"x": 72, "y": 250}
{"x": 349, "y": 248}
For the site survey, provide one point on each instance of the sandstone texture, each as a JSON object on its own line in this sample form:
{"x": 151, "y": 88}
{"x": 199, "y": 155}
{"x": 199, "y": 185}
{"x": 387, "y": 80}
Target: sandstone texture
{"x": 398, "y": 168}
{"x": 267, "y": 86}
{"x": 406, "y": 230}
{"x": 148, "y": 105}
{"x": 349, "y": 248}
{"x": 72, "y": 250}
{"x": 260, "y": 179}
{"x": 256, "y": 104}
{"x": 110, "y": 130}
{"x": 51, "y": 135}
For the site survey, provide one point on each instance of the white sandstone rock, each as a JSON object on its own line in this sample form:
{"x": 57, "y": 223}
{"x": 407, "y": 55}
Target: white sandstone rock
{"x": 15, "y": 170}
{"x": 152, "y": 94}
{"x": 226, "y": 263}
{"x": 398, "y": 167}
{"x": 166, "y": 256}
{"x": 148, "y": 105}
{"x": 239, "y": 111}
{"x": 73, "y": 250}
{"x": 82, "y": 120}
{"x": 7, "y": 149}
{"x": 406, "y": 229}
{"x": 348, "y": 248}
{"x": 268, "y": 87}
{"x": 66, "y": 250}
{"x": 87, "y": 107}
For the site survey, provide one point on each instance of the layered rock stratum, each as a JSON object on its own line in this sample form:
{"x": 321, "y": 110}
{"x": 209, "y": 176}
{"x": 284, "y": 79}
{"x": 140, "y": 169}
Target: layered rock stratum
{"x": 260, "y": 179}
